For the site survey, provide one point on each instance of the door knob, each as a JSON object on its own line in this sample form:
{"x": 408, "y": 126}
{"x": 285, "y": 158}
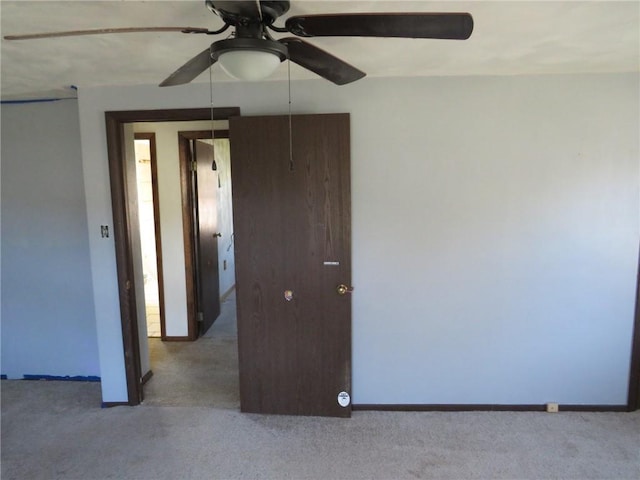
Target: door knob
{"x": 217, "y": 235}
{"x": 342, "y": 289}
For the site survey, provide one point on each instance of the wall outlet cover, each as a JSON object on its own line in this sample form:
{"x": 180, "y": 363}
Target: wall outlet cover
{"x": 552, "y": 408}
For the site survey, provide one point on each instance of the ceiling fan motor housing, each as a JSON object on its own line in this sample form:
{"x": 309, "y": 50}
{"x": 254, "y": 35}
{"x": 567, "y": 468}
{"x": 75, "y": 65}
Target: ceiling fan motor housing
{"x": 245, "y": 12}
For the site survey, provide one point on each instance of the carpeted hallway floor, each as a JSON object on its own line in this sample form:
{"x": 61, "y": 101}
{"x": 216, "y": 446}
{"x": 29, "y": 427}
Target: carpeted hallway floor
{"x": 189, "y": 427}
{"x": 201, "y": 373}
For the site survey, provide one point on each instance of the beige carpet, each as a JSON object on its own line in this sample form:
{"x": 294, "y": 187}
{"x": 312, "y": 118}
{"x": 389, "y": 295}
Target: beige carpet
{"x": 56, "y": 430}
{"x": 201, "y": 373}
{"x": 197, "y": 374}
{"x": 189, "y": 427}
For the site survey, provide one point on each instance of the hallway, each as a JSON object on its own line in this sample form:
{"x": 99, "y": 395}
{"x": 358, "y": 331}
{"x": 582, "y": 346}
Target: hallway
{"x": 201, "y": 373}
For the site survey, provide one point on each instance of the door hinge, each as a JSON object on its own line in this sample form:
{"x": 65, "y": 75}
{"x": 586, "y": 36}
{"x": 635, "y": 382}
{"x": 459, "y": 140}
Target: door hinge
{"x": 200, "y": 317}
{"x": 194, "y": 166}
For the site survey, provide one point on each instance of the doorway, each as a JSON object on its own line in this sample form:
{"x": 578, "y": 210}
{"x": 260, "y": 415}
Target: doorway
{"x": 194, "y": 191}
{"x": 200, "y": 368}
{"x": 295, "y": 224}
{"x": 126, "y": 227}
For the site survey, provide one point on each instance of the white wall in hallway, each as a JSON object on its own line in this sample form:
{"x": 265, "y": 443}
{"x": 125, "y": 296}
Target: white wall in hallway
{"x": 495, "y": 230}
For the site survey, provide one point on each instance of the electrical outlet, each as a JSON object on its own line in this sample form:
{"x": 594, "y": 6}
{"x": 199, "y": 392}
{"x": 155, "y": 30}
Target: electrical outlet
{"x": 552, "y": 407}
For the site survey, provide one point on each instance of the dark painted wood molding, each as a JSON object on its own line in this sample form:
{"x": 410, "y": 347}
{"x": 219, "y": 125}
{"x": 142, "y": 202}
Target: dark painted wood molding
{"x": 147, "y": 376}
{"x": 204, "y": 134}
{"x": 484, "y": 408}
{"x": 124, "y": 261}
{"x": 593, "y": 408}
{"x": 633, "y": 401}
{"x": 114, "y": 123}
{"x": 221, "y": 133}
{"x": 114, "y": 404}
{"x": 201, "y": 134}
{"x": 177, "y": 339}
{"x": 177, "y": 115}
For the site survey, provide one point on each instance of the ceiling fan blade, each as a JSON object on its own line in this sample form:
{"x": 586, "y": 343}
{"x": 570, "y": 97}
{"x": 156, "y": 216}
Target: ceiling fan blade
{"x": 454, "y": 26}
{"x": 101, "y": 31}
{"x": 189, "y": 70}
{"x": 321, "y": 62}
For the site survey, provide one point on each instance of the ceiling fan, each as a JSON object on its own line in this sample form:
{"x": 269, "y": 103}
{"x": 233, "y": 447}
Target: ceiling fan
{"x": 251, "y": 53}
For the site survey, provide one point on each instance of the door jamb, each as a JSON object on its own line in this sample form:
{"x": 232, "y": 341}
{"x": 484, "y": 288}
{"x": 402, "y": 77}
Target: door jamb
{"x": 633, "y": 399}
{"x": 115, "y": 121}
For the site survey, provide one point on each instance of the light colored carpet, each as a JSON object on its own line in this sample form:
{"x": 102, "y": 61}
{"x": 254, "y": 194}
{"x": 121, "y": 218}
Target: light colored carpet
{"x": 226, "y": 324}
{"x": 194, "y": 374}
{"x": 203, "y": 373}
{"x": 55, "y": 430}
{"x": 190, "y": 427}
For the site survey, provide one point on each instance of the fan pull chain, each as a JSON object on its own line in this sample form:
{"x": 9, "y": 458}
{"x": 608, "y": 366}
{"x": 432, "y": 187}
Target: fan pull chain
{"x": 290, "y": 129}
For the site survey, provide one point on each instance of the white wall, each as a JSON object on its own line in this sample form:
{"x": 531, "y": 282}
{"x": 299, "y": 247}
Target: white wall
{"x": 495, "y": 231}
{"x": 48, "y": 322}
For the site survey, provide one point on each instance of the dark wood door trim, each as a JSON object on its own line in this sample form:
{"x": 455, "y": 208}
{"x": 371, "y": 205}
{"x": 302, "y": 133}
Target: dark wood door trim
{"x": 122, "y": 240}
{"x": 477, "y": 407}
{"x": 633, "y": 401}
{"x": 114, "y": 122}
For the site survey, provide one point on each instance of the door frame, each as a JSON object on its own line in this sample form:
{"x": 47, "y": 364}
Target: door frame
{"x": 122, "y": 225}
{"x": 633, "y": 396}
{"x": 188, "y": 220}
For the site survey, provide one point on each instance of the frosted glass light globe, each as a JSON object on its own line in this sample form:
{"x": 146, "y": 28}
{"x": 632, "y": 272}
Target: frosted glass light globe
{"x": 249, "y": 64}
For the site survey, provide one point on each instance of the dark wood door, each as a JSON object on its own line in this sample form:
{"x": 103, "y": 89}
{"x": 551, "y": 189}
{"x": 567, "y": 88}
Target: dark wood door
{"x": 206, "y": 228}
{"x": 292, "y": 224}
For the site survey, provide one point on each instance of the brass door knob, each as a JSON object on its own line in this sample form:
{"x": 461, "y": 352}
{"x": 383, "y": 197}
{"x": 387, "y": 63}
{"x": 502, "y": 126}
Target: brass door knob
{"x": 342, "y": 289}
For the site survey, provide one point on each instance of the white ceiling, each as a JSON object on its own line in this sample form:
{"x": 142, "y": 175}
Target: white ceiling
{"x": 509, "y": 38}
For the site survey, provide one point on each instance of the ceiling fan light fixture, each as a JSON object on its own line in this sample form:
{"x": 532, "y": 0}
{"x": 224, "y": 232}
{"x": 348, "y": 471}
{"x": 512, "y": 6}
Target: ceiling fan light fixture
{"x": 249, "y": 58}
{"x": 249, "y": 64}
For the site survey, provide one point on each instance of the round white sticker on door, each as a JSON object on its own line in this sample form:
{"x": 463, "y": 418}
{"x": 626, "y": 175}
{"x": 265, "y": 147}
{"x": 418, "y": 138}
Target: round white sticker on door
{"x": 344, "y": 399}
